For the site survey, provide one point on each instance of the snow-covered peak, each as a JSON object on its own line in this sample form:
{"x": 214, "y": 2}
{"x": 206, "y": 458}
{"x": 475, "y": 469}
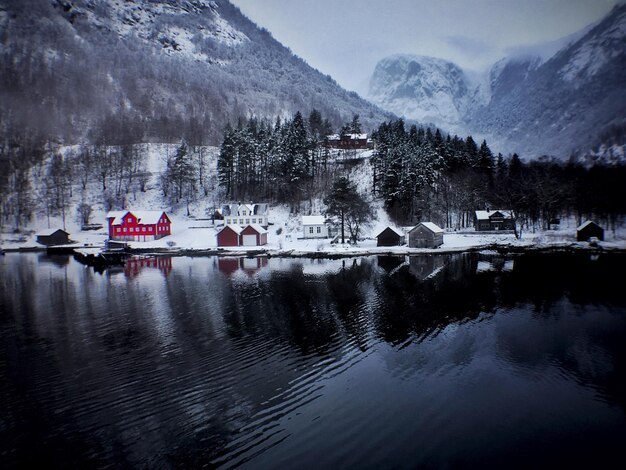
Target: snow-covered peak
{"x": 424, "y": 88}
{"x": 179, "y": 27}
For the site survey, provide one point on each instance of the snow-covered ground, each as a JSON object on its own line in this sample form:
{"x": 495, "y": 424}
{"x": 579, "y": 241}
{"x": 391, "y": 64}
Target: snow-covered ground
{"x": 197, "y": 232}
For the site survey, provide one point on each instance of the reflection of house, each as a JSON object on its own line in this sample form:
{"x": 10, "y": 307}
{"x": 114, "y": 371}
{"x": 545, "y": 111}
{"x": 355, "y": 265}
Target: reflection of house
{"x": 314, "y": 226}
{"x": 245, "y": 214}
{"x": 348, "y": 141}
{"x": 426, "y": 266}
{"x": 250, "y": 235}
{"x": 133, "y": 266}
{"x": 390, "y": 237}
{"x": 53, "y": 237}
{"x": 138, "y": 225}
{"x": 390, "y": 263}
{"x": 589, "y": 229}
{"x": 426, "y": 235}
{"x": 494, "y": 220}
{"x": 250, "y": 266}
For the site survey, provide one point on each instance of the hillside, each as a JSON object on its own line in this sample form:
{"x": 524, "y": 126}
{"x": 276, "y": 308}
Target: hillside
{"x": 164, "y": 69}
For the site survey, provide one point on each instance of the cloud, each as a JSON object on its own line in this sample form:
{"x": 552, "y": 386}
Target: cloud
{"x": 470, "y": 46}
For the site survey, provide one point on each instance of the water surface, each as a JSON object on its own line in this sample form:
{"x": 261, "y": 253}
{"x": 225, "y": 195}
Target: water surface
{"x": 378, "y": 362}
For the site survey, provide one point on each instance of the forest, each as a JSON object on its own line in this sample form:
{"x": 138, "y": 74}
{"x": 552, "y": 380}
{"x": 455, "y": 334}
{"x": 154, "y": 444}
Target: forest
{"x": 419, "y": 174}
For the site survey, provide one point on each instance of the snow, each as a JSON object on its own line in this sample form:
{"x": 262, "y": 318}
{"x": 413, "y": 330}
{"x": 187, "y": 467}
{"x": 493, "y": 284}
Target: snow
{"x": 432, "y": 227}
{"x": 585, "y": 224}
{"x": 484, "y": 215}
{"x": 397, "y": 231}
{"x": 313, "y": 220}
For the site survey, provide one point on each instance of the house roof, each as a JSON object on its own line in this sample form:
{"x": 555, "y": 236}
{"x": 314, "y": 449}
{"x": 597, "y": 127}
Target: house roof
{"x": 313, "y": 220}
{"x": 148, "y": 217}
{"x": 257, "y": 228}
{"x": 430, "y": 226}
{"x": 351, "y": 136}
{"x": 51, "y": 231}
{"x": 486, "y": 215}
{"x": 587, "y": 224}
{"x": 393, "y": 229}
{"x": 144, "y": 217}
{"x": 235, "y": 228}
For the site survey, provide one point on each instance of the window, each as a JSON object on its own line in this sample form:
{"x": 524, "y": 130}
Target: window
{"x": 130, "y": 220}
{"x": 132, "y": 229}
{"x": 254, "y": 221}
{"x": 310, "y": 229}
{"x": 319, "y": 229}
{"x": 241, "y": 221}
{"x": 247, "y": 221}
{"x": 150, "y": 229}
{"x": 143, "y": 229}
{"x": 124, "y": 229}
{"x": 119, "y": 230}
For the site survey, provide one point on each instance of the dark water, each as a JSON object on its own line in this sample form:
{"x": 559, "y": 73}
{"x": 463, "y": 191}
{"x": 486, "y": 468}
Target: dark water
{"x": 434, "y": 361}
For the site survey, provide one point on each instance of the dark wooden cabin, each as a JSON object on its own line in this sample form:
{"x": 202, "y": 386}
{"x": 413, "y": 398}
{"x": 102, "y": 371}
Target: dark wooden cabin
{"x": 589, "y": 229}
{"x": 53, "y": 237}
{"x": 390, "y": 237}
{"x": 493, "y": 220}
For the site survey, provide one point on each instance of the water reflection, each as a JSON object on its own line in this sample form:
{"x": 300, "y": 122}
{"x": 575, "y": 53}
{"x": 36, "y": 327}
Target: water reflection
{"x": 279, "y": 362}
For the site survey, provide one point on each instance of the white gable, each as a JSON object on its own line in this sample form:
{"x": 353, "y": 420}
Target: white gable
{"x": 313, "y": 220}
{"x": 432, "y": 227}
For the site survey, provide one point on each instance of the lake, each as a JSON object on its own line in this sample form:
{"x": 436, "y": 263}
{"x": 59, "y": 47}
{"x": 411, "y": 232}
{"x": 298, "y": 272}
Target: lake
{"x": 436, "y": 361}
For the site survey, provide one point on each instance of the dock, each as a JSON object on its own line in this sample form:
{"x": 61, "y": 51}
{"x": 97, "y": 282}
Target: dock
{"x": 99, "y": 258}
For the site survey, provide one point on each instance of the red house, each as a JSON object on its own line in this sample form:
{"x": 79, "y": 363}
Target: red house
{"x": 250, "y": 235}
{"x": 138, "y": 225}
{"x": 229, "y": 236}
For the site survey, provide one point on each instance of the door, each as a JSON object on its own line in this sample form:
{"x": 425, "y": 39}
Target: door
{"x": 249, "y": 240}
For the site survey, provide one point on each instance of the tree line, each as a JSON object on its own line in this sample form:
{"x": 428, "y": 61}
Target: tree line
{"x": 422, "y": 175}
{"x": 283, "y": 162}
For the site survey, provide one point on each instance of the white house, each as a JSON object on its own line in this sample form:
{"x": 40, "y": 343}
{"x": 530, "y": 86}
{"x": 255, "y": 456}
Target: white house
{"x": 314, "y": 226}
{"x": 246, "y": 214}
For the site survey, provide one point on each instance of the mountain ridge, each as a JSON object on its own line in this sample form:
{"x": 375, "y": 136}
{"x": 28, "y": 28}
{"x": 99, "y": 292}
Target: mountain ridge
{"x": 555, "y": 103}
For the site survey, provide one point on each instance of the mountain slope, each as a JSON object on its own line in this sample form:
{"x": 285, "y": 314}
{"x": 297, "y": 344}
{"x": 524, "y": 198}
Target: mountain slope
{"x": 544, "y": 100}
{"x": 567, "y": 103}
{"x": 164, "y": 69}
{"x": 426, "y": 89}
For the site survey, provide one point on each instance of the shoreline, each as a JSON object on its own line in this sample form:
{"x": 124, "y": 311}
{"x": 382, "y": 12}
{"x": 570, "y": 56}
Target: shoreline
{"x": 353, "y": 252}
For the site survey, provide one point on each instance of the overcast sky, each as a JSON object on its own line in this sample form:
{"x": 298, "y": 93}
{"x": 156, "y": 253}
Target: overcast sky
{"x": 346, "y": 38}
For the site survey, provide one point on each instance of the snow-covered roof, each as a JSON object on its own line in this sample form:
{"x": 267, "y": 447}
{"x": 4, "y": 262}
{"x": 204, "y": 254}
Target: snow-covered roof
{"x": 485, "y": 215}
{"x": 144, "y": 217}
{"x": 586, "y": 224}
{"x": 430, "y": 226}
{"x": 115, "y": 215}
{"x": 399, "y": 232}
{"x": 235, "y": 228}
{"x": 313, "y": 220}
{"x": 51, "y": 231}
{"x": 257, "y": 228}
{"x": 147, "y": 217}
{"x": 351, "y": 136}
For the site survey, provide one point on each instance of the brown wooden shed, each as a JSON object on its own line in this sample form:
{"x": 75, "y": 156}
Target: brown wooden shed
{"x": 390, "y": 237}
{"x": 589, "y": 229}
{"x": 426, "y": 235}
{"x": 53, "y": 237}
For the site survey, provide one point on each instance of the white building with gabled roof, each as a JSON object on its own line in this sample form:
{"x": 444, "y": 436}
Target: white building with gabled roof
{"x": 314, "y": 226}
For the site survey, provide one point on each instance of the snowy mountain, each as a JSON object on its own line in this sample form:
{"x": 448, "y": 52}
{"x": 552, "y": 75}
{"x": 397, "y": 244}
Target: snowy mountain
{"x": 168, "y": 68}
{"x": 426, "y": 89}
{"x": 559, "y": 98}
